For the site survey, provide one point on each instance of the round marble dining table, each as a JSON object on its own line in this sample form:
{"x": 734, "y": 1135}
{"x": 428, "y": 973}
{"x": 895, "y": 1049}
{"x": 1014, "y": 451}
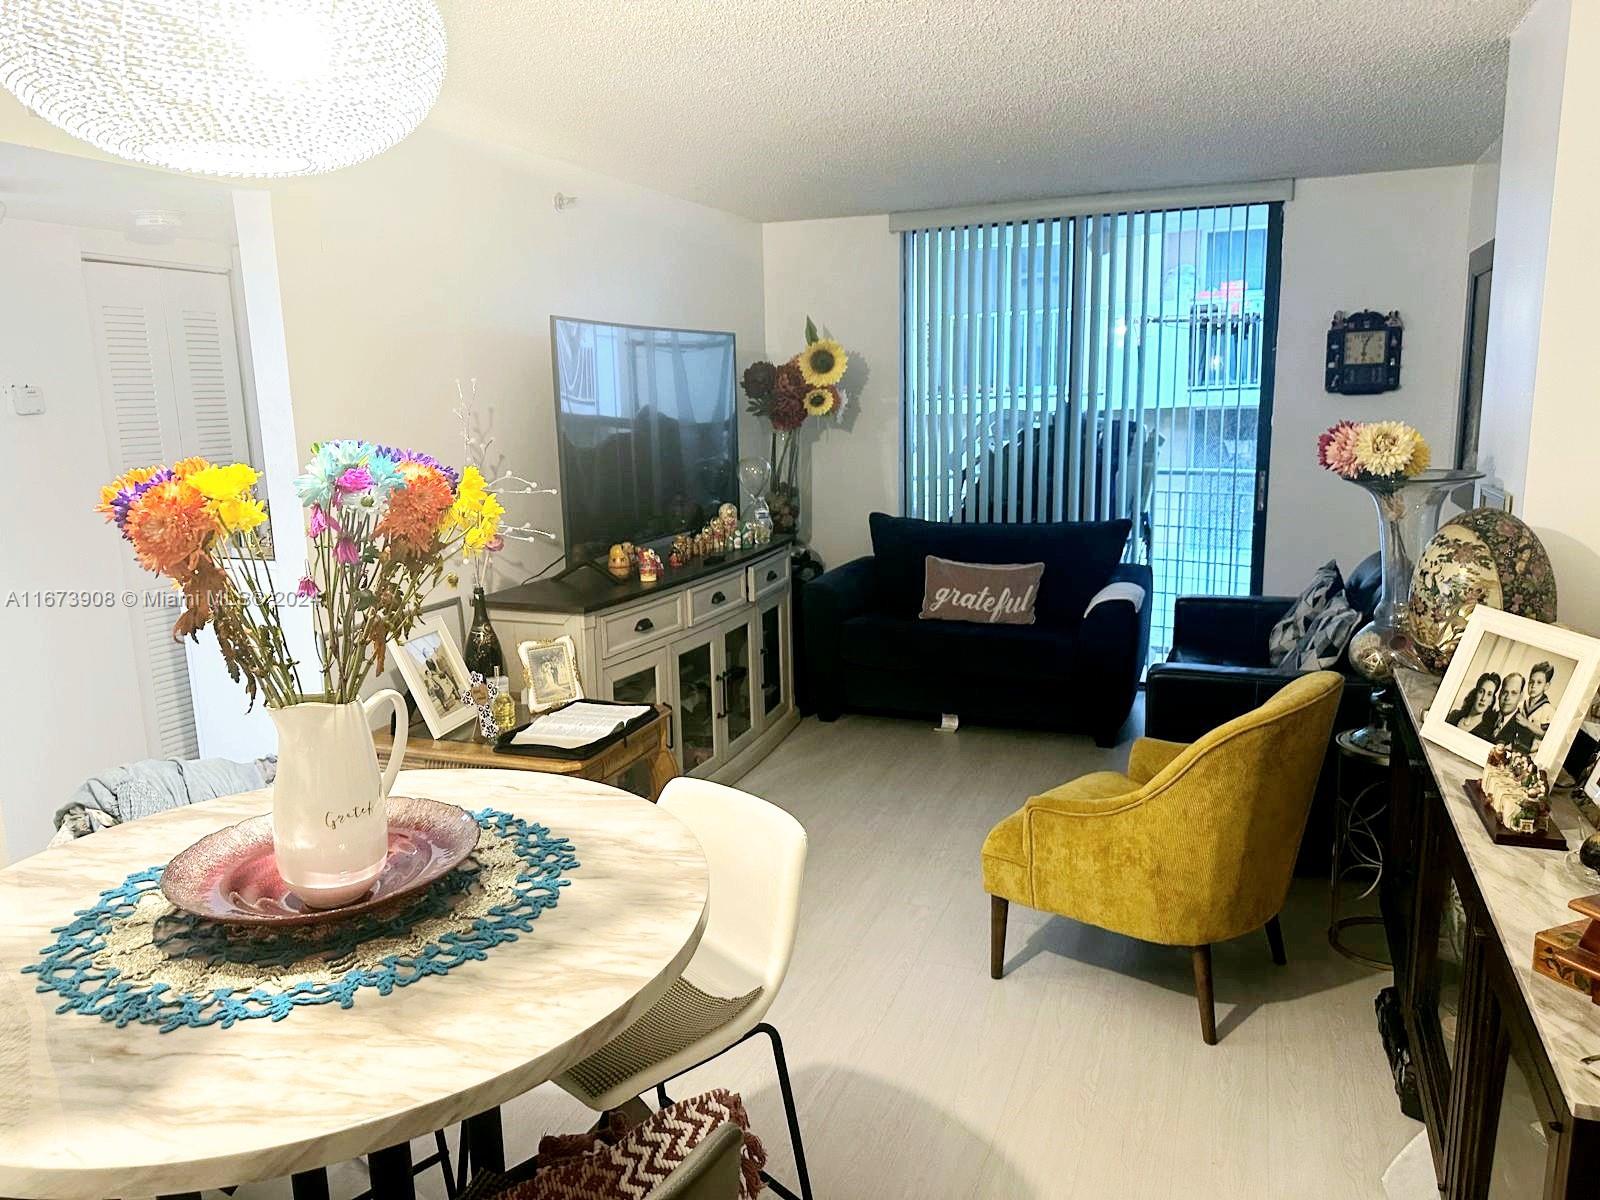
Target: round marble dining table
{"x": 90, "y": 1110}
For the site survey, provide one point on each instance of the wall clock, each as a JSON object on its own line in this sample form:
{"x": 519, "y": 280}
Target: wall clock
{"x": 1363, "y": 353}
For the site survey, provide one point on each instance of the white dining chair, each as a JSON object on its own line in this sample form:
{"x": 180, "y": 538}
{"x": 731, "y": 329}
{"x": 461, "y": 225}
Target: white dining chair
{"x": 757, "y": 857}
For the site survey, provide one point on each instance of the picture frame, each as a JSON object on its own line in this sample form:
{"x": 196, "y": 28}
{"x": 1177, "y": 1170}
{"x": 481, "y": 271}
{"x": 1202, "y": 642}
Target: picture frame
{"x": 1556, "y": 671}
{"x": 550, "y": 669}
{"x": 431, "y": 664}
{"x": 1590, "y": 788}
{"x": 450, "y": 608}
{"x": 1492, "y": 495}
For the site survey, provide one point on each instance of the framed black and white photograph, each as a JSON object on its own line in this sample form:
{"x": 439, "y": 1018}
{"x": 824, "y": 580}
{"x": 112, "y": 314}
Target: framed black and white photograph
{"x": 1514, "y": 682}
{"x": 551, "y": 670}
{"x": 434, "y": 671}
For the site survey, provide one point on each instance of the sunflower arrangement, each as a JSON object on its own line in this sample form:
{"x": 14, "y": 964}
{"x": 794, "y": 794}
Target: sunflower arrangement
{"x": 1377, "y": 453}
{"x": 806, "y": 387}
{"x": 382, "y": 523}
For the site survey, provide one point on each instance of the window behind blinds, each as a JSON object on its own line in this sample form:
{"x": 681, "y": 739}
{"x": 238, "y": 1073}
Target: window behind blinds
{"x": 1097, "y": 366}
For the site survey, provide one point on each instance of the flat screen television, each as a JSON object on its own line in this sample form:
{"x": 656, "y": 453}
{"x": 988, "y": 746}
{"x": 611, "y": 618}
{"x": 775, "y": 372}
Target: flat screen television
{"x": 648, "y": 431}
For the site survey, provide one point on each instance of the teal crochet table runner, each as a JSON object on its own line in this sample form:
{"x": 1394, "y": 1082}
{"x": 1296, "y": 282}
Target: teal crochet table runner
{"x": 133, "y": 957}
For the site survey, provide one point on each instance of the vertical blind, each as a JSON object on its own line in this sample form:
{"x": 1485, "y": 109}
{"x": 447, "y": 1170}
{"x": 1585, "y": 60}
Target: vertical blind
{"x": 1089, "y": 367}
{"x": 1038, "y": 354}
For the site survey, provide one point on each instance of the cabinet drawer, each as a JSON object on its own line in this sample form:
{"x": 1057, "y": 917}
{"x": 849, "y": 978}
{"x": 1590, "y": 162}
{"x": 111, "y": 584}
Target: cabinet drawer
{"x": 640, "y": 626}
{"x": 712, "y": 599}
{"x": 766, "y": 577}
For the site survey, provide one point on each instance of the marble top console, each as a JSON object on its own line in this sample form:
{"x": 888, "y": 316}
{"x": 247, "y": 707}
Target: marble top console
{"x": 1524, "y": 890}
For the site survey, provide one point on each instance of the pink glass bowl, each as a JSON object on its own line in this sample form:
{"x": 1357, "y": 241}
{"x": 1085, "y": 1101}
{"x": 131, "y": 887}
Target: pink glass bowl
{"x": 231, "y": 875}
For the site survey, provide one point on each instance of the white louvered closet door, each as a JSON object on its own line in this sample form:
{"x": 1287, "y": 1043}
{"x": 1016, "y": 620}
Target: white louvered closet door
{"x": 170, "y": 378}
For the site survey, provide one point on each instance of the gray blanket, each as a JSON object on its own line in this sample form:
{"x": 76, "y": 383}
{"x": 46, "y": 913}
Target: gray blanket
{"x": 155, "y": 785}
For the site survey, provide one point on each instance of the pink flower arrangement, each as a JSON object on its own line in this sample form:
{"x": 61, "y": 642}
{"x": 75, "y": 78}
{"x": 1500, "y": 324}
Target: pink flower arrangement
{"x": 1385, "y": 453}
{"x": 1336, "y": 450}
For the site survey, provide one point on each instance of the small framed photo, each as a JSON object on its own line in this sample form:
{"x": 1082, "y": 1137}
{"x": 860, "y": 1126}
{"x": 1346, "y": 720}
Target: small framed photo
{"x": 551, "y": 669}
{"x": 1514, "y": 681}
{"x": 449, "y": 607}
{"x": 433, "y": 669}
{"x": 1590, "y": 791}
{"x": 1492, "y": 495}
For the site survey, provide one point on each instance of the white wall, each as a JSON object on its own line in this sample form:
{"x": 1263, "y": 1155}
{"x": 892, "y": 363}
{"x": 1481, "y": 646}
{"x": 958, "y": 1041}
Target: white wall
{"x": 1533, "y": 116}
{"x": 1391, "y": 240}
{"x": 1557, "y": 496}
{"x": 1485, "y": 197}
{"x": 845, "y": 275}
{"x": 72, "y": 701}
{"x": 444, "y": 259}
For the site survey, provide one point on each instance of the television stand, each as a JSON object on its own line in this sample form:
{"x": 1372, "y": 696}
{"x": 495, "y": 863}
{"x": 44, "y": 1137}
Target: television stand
{"x": 571, "y": 569}
{"x": 712, "y": 640}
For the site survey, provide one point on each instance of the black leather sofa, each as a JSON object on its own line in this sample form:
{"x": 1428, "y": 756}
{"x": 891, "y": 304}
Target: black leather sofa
{"x": 1218, "y": 670}
{"x": 867, "y": 650}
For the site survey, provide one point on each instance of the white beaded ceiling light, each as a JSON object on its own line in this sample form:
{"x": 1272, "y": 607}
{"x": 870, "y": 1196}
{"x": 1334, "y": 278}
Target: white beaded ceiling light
{"x": 227, "y": 87}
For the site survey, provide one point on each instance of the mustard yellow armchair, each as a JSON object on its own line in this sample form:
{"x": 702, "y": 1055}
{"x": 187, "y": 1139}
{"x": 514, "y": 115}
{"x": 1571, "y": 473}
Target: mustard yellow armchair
{"x": 1194, "y": 845}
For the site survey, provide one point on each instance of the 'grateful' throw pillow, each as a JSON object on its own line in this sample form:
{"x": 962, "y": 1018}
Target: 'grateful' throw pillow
{"x": 1286, "y": 634}
{"x": 985, "y": 593}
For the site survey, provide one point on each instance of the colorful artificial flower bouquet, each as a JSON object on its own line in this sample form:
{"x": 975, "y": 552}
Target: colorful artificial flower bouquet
{"x": 382, "y": 524}
{"x": 1377, "y": 453}
{"x": 789, "y": 395}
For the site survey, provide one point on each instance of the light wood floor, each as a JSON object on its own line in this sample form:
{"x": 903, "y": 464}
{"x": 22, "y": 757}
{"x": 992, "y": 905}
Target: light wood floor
{"x": 1081, "y": 1073}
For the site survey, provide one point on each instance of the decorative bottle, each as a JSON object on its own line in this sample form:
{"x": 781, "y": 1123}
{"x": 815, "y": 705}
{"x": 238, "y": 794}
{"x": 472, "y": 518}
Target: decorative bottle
{"x": 482, "y": 652}
{"x": 502, "y": 704}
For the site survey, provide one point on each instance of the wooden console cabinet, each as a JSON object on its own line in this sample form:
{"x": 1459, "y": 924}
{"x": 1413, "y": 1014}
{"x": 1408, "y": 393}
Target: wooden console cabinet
{"x": 1461, "y": 914}
{"x": 714, "y": 641}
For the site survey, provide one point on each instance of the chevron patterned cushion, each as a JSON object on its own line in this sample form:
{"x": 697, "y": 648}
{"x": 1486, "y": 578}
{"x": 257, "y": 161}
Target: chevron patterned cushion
{"x": 621, "y": 1163}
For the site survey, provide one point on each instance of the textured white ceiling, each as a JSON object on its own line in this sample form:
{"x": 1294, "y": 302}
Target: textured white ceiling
{"x": 779, "y": 109}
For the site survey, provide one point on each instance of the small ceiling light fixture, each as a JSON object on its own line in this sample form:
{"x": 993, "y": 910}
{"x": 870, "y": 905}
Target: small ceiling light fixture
{"x": 227, "y": 87}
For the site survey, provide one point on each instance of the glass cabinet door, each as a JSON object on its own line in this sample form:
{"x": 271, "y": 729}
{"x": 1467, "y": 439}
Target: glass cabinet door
{"x": 738, "y": 681}
{"x": 771, "y": 628}
{"x": 697, "y": 705}
{"x": 640, "y": 680}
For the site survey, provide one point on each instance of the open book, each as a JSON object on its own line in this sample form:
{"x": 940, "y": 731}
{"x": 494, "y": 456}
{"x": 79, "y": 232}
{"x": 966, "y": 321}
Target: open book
{"x": 578, "y": 724}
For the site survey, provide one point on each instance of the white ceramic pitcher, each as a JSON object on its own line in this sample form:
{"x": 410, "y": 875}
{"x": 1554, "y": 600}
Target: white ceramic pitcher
{"x": 330, "y": 824}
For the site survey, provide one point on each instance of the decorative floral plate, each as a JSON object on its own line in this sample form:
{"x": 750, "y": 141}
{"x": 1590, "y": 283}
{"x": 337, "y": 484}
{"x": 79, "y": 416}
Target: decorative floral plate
{"x": 232, "y": 877}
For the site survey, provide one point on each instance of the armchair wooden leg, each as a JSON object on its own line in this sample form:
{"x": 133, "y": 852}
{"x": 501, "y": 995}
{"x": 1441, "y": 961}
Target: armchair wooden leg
{"x": 1202, "y": 992}
{"x": 997, "y": 936}
{"x": 1275, "y": 940}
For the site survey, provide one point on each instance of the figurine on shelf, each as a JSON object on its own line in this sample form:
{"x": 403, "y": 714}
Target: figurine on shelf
{"x": 680, "y": 548}
{"x": 1518, "y": 789}
{"x": 1513, "y": 802}
{"x": 632, "y": 552}
{"x": 649, "y": 566}
{"x": 617, "y": 561}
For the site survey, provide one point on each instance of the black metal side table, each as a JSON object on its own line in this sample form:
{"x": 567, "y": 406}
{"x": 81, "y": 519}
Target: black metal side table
{"x": 1357, "y": 839}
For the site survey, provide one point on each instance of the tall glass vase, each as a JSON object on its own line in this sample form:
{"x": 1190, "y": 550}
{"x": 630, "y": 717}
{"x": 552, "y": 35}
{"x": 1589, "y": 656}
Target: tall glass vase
{"x": 783, "y": 494}
{"x": 1408, "y": 517}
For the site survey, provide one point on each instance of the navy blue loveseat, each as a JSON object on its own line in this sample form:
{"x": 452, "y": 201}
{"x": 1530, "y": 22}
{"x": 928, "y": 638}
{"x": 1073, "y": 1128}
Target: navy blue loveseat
{"x": 1076, "y": 667}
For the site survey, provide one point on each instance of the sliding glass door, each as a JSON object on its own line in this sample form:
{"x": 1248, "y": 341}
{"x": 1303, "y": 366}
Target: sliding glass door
{"x": 1110, "y": 365}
